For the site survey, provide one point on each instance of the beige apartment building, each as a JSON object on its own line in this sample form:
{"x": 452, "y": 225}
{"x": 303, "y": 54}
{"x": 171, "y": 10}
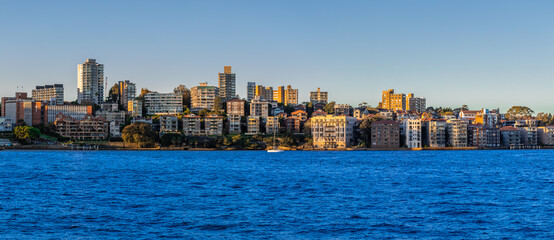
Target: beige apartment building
{"x": 234, "y": 123}
{"x": 253, "y": 125}
{"x": 87, "y": 129}
{"x": 213, "y": 125}
{"x": 48, "y": 93}
{"x": 111, "y": 116}
{"x": 272, "y": 125}
{"x": 332, "y": 131}
{"x": 435, "y": 134}
{"x": 203, "y": 96}
{"x": 236, "y": 107}
{"x": 169, "y": 124}
{"x": 342, "y": 110}
{"x": 192, "y": 125}
{"x": 319, "y": 97}
{"x": 456, "y": 133}
{"x": 259, "y": 108}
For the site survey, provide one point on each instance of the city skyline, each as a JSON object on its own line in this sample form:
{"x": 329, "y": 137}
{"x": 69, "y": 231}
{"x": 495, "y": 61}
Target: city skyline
{"x": 433, "y": 49}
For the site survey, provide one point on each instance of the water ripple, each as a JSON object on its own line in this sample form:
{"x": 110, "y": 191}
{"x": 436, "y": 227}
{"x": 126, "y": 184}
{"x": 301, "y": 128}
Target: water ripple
{"x": 293, "y": 195}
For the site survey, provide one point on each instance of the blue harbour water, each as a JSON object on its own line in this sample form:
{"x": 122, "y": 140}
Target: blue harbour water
{"x": 291, "y": 195}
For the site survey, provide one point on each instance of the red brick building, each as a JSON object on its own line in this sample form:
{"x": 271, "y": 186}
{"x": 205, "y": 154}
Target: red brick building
{"x": 385, "y": 134}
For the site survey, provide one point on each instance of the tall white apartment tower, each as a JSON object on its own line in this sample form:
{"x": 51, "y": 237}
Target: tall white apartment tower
{"x": 90, "y": 82}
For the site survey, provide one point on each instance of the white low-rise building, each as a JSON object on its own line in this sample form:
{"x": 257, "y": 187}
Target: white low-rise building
{"x": 412, "y": 132}
{"x": 163, "y": 103}
{"x": 6, "y": 124}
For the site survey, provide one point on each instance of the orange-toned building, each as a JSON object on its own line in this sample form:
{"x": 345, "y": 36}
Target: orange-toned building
{"x": 300, "y": 114}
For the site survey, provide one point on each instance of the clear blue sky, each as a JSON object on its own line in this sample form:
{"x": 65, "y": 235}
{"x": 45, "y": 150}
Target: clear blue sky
{"x": 480, "y": 53}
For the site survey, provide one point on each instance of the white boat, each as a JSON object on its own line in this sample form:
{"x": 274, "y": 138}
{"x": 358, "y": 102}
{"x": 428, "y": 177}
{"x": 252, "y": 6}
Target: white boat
{"x": 275, "y": 148}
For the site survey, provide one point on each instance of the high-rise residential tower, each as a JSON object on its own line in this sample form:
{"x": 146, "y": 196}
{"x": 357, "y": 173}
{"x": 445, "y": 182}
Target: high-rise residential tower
{"x": 291, "y": 96}
{"x": 227, "y": 84}
{"x": 250, "y": 90}
{"x": 90, "y": 82}
{"x": 127, "y": 92}
{"x": 279, "y": 94}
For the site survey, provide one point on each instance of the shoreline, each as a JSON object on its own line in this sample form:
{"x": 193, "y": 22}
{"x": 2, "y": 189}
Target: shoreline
{"x": 62, "y": 148}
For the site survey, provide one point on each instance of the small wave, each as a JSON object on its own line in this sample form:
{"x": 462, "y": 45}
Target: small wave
{"x": 384, "y": 225}
{"x": 455, "y": 212}
{"x": 214, "y": 227}
{"x": 356, "y": 216}
{"x": 180, "y": 224}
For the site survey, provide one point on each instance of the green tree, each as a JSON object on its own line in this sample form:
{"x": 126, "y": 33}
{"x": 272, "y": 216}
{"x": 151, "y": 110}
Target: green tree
{"x": 365, "y": 128}
{"x": 139, "y": 133}
{"x": 21, "y": 132}
{"x": 219, "y": 104}
{"x": 288, "y": 109}
{"x": 307, "y": 129}
{"x": 204, "y": 112}
{"x": 238, "y": 141}
{"x": 34, "y": 133}
{"x": 185, "y": 92}
{"x": 114, "y": 93}
{"x": 171, "y": 139}
{"x": 519, "y": 112}
{"x": 227, "y": 141}
{"x": 25, "y": 133}
{"x": 544, "y": 118}
{"x": 330, "y": 107}
{"x": 143, "y": 92}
